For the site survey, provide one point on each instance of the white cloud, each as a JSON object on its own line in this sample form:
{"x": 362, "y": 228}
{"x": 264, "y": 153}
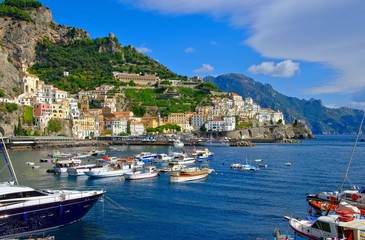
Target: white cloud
{"x": 328, "y": 32}
{"x": 205, "y": 68}
{"x": 285, "y": 68}
{"x": 143, "y": 50}
{"x": 189, "y": 50}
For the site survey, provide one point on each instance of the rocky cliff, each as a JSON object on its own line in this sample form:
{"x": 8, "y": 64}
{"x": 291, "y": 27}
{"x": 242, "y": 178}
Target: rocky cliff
{"x": 18, "y": 40}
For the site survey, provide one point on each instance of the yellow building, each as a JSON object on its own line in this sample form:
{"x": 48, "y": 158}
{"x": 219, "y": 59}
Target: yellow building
{"x": 60, "y": 110}
{"x": 150, "y": 122}
{"x": 85, "y": 127}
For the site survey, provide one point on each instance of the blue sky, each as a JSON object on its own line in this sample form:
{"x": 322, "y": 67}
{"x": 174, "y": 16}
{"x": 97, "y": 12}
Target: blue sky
{"x": 303, "y": 48}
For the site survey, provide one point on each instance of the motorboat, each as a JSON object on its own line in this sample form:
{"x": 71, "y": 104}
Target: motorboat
{"x": 96, "y": 152}
{"x": 203, "y": 154}
{"x": 215, "y": 143}
{"x": 146, "y": 156}
{"x": 58, "y": 154}
{"x": 146, "y": 172}
{"x": 61, "y": 166}
{"x": 182, "y": 159}
{"x": 117, "y": 169}
{"x": 162, "y": 157}
{"x": 249, "y": 167}
{"x": 331, "y": 226}
{"x": 25, "y": 211}
{"x": 99, "y": 163}
{"x": 188, "y": 174}
{"x": 84, "y": 155}
{"x": 178, "y": 143}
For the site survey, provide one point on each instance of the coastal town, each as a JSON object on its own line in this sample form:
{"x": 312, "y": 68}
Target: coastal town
{"x": 73, "y": 110}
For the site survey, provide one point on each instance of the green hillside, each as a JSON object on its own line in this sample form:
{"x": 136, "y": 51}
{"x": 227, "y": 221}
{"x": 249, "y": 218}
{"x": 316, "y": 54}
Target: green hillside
{"x": 91, "y": 63}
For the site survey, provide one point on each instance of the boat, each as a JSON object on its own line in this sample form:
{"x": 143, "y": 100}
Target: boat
{"x": 96, "y": 152}
{"x": 263, "y": 165}
{"x": 182, "y": 159}
{"x": 162, "y": 157}
{"x": 279, "y": 236}
{"x": 215, "y": 143}
{"x": 288, "y": 164}
{"x": 203, "y": 154}
{"x": 117, "y": 149}
{"x": 249, "y": 167}
{"x": 99, "y": 163}
{"x": 84, "y": 155}
{"x": 236, "y": 165}
{"x": 332, "y": 226}
{"x": 61, "y": 166}
{"x": 146, "y": 172}
{"x": 190, "y": 174}
{"x": 30, "y": 163}
{"x": 178, "y": 143}
{"x": 116, "y": 169}
{"x": 145, "y": 156}
{"x": 26, "y": 211}
{"x": 58, "y": 154}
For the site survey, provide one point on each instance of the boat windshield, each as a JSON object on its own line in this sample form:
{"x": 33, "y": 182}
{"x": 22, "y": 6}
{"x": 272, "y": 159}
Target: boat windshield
{"x": 323, "y": 226}
{"x": 26, "y": 194}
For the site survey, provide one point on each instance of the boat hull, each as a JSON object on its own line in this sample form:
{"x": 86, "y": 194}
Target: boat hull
{"x": 187, "y": 177}
{"x": 140, "y": 176}
{"x": 39, "y": 218}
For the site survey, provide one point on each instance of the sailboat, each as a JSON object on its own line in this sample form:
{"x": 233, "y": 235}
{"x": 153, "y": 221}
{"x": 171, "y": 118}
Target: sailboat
{"x": 25, "y": 211}
{"x": 341, "y": 212}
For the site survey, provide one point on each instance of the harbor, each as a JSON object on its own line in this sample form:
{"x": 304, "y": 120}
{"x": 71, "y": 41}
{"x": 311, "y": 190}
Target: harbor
{"x": 228, "y": 204}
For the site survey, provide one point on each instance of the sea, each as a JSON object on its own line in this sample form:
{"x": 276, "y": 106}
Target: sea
{"x": 229, "y": 204}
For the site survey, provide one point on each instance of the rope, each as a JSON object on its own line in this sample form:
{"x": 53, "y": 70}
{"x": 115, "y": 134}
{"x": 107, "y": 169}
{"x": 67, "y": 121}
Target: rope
{"x": 352, "y": 153}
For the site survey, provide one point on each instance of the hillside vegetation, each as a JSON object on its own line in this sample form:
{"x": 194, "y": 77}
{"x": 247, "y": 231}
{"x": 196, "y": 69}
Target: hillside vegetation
{"x": 91, "y": 63}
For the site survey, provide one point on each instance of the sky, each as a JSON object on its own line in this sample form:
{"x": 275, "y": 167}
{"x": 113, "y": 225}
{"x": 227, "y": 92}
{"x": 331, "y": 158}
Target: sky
{"x": 303, "y": 48}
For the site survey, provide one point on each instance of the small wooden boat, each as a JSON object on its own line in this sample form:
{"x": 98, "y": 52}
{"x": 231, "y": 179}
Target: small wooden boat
{"x": 189, "y": 175}
{"x": 147, "y": 172}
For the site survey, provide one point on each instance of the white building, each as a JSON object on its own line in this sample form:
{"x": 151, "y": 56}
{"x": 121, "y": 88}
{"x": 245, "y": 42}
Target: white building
{"x": 115, "y": 125}
{"x": 137, "y": 128}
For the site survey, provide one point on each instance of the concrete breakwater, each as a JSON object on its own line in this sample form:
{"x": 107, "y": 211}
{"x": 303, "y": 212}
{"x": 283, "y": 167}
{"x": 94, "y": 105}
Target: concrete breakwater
{"x": 30, "y": 146}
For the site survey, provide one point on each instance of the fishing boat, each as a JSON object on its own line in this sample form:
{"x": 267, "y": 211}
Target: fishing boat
{"x": 333, "y": 226}
{"x": 145, "y": 156}
{"x": 82, "y": 156}
{"x": 96, "y": 152}
{"x": 279, "y": 236}
{"x": 190, "y": 174}
{"x": 58, "y": 154}
{"x": 182, "y": 159}
{"x": 99, "y": 163}
{"x": 61, "y": 166}
{"x": 162, "y": 157}
{"x": 146, "y": 172}
{"x": 25, "y": 211}
{"x": 116, "y": 169}
{"x": 203, "y": 154}
{"x": 178, "y": 143}
{"x": 249, "y": 167}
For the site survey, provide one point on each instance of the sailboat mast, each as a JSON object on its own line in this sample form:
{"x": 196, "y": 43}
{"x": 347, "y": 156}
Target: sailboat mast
{"x": 8, "y": 161}
{"x": 352, "y": 153}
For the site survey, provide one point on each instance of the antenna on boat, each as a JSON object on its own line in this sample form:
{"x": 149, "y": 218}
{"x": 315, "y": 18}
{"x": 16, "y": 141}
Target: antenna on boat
{"x": 7, "y": 159}
{"x": 352, "y": 153}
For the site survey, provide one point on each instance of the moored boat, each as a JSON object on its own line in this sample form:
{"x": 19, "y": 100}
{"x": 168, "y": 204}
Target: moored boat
{"x": 191, "y": 174}
{"x": 331, "y": 226}
{"x": 146, "y": 156}
{"x": 146, "y": 172}
{"x": 62, "y": 165}
{"x": 116, "y": 169}
{"x": 178, "y": 143}
{"x": 25, "y": 211}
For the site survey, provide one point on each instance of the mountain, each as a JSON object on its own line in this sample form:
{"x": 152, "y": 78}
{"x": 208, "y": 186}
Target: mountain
{"x": 320, "y": 119}
{"x": 32, "y": 42}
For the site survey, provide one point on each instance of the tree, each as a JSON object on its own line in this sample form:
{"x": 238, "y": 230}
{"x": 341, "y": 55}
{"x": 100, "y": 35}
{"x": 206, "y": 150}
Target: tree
{"x": 203, "y": 128}
{"x": 54, "y": 125}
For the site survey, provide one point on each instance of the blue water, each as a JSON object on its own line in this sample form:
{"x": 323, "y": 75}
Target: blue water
{"x": 230, "y": 204}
